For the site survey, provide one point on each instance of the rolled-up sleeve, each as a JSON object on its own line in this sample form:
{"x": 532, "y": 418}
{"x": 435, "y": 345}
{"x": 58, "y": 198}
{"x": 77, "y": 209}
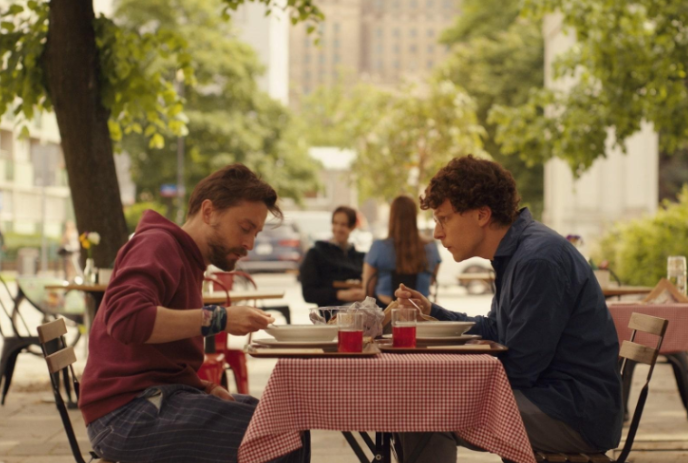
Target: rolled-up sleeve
{"x": 145, "y": 277}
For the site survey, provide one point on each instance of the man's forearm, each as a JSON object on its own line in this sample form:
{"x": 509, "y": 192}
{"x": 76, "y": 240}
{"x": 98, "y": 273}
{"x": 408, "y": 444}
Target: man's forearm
{"x": 174, "y": 325}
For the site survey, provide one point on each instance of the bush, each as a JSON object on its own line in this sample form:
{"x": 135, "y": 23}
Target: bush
{"x": 637, "y": 251}
{"x": 16, "y": 241}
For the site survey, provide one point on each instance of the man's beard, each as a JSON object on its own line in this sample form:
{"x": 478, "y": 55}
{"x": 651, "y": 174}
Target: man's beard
{"x": 219, "y": 253}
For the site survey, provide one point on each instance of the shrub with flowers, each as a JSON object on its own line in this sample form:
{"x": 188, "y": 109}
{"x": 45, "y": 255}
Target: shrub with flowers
{"x": 88, "y": 240}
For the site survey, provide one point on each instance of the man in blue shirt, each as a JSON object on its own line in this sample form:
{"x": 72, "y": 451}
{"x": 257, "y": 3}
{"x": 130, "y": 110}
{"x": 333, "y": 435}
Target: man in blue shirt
{"x": 548, "y": 310}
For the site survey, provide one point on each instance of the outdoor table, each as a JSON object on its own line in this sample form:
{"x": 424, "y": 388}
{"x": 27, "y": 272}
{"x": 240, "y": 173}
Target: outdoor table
{"x": 626, "y": 291}
{"x": 674, "y": 346}
{"x": 389, "y": 393}
{"x": 347, "y": 284}
{"x": 97, "y": 291}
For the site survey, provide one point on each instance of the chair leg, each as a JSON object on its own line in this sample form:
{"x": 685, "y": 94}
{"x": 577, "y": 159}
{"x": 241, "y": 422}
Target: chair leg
{"x": 627, "y": 380}
{"x": 12, "y": 347}
{"x": 237, "y": 362}
{"x": 679, "y": 363}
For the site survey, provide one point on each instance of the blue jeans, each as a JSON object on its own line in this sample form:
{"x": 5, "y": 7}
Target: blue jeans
{"x": 178, "y": 423}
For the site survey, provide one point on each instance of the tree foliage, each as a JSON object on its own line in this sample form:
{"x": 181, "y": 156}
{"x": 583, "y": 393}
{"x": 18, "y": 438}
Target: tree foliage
{"x": 402, "y": 138}
{"x": 629, "y": 64}
{"x": 103, "y": 81}
{"x": 229, "y": 119}
{"x": 498, "y": 58}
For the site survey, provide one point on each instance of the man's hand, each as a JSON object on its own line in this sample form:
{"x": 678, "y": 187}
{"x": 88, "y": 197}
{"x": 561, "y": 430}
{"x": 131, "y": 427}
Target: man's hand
{"x": 218, "y": 391}
{"x": 351, "y": 295}
{"x": 405, "y": 293}
{"x": 242, "y": 320}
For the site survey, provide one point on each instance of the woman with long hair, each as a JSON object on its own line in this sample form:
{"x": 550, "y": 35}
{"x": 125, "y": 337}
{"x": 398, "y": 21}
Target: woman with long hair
{"x": 404, "y": 257}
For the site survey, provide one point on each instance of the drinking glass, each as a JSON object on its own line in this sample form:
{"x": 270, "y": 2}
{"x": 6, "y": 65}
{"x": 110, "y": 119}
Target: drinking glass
{"x": 676, "y": 272}
{"x": 350, "y": 336}
{"x": 404, "y": 327}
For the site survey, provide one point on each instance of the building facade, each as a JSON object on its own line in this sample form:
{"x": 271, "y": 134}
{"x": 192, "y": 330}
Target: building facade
{"x": 378, "y": 41}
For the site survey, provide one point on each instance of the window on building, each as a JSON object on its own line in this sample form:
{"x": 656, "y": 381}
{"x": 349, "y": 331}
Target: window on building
{"x": 378, "y": 48}
{"x": 322, "y": 58}
{"x": 413, "y": 49}
{"x": 430, "y": 3}
{"x": 431, "y": 32}
{"x": 396, "y": 32}
{"x": 413, "y": 3}
{"x": 336, "y": 58}
{"x": 336, "y": 28}
{"x": 307, "y": 58}
{"x": 397, "y": 64}
{"x": 430, "y": 64}
{"x": 431, "y": 49}
{"x": 396, "y": 48}
{"x": 380, "y": 65}
{"x": 335, "y": 43}
{"x": 413, "y": 32}
{"x": 47, "y": 161}
{"x": 449, "y": 4}
{"x": 379, "y": 33}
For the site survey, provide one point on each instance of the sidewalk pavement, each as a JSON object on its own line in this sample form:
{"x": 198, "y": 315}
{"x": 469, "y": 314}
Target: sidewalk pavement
{"x": 31, "y": 430}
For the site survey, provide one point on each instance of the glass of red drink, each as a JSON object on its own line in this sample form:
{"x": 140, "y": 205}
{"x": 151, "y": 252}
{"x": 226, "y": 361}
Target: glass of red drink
{"x": 404, "y": 327}
{"x": 350, "y": 331}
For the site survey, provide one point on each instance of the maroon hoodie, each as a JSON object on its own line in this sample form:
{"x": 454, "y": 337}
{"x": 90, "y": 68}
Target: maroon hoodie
{"x": 160, "y": 266}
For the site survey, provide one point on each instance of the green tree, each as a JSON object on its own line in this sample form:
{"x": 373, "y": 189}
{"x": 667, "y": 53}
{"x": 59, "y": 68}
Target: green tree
{"x": 100, "y": 80}
{"x": 629, "y": 62}
{"x": 229, "y": 118}
{"x": 401, "y": 137}
{"x": 498, "y": 58}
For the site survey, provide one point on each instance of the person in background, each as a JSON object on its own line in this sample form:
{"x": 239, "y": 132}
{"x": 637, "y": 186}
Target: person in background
{"x": 330, "y": 261}
{"x": 548, "y": 309}
{"x": 405, "y": 256}
{"x": 141, "y": 397}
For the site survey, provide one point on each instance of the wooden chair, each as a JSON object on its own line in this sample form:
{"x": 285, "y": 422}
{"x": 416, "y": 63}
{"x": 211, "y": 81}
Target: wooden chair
{"x": 62, "y": 359}
{"x": 636, "y": 353}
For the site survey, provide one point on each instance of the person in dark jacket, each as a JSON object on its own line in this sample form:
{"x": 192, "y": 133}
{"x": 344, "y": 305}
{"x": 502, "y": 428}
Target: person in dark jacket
{"x": 548, "y": 310}
{"x": 334, "y": 260}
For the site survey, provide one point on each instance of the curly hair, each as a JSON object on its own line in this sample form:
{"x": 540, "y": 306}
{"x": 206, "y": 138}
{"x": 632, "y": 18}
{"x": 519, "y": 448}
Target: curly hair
{"x": 470, "y": 183}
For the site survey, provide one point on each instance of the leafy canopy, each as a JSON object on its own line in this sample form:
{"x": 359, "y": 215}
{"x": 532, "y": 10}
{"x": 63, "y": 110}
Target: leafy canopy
{"x": 401, "y": 137}
{"x": 229, "y": 119}
{"x": 139, "y": 95}
{"x": 629, "y": 63}
{"x": 497, "y": 57}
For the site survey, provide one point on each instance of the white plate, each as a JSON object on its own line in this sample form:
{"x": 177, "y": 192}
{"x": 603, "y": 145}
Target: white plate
{"x": 303, "y": 333}
{"x": 442, "y": 329}
{"x": 463, "y": 337}
{"x": 276, "y": 343}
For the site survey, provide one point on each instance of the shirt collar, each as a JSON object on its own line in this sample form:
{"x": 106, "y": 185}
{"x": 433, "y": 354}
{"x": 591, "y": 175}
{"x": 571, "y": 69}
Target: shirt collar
{"x": 510, "y": 242}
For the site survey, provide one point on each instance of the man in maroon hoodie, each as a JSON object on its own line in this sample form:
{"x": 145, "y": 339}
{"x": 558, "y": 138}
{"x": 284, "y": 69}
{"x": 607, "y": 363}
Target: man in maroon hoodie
{"x": 141, "y": 396}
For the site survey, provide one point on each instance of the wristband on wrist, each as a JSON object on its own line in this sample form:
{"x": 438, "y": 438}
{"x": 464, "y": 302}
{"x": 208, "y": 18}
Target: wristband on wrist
{"x": 213, "y": 320}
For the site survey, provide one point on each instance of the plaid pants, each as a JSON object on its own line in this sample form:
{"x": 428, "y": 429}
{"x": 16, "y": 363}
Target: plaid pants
{"x": 177, "y": 423}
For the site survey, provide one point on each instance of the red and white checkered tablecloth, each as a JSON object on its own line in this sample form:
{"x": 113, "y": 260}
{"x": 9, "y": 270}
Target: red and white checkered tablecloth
{"x": 676, "y": 338}
{"x": 469, "y": 394}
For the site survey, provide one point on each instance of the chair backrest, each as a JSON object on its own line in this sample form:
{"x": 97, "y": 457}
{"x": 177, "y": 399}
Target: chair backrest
{"x": 59, "y": 359}
{"x": 642, "y": 354}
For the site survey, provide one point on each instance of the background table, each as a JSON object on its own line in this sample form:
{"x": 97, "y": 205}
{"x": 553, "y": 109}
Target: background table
{"x": 674, "y": 347}
{"x": 469, "y": 394}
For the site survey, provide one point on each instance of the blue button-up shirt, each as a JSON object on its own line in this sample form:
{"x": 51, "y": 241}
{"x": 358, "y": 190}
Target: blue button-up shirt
{"x": 550, "y": 312}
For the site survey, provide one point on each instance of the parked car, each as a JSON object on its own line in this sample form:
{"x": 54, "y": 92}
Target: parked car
{"x": 277, "y": 249}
